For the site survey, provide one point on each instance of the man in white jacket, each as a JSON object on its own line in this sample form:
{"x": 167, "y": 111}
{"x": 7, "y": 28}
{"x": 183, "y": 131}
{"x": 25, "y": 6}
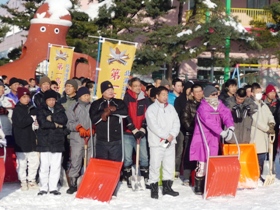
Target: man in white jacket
{"x": 163, "y": 126}
{"x": 263, "y": 125}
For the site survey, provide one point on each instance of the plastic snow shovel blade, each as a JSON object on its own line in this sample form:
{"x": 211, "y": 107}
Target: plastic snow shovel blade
{"x": 249, "y": 165}
{"x": 137, "y": 183}
{"x": 100, "y": 180}
{"x": 269, "y": 180}
{"x": 222, "y": 176}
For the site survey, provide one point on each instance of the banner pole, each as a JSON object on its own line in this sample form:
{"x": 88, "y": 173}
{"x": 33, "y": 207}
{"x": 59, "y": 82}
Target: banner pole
{"x": 116, "y": 40}
{"x": 97, "y": 69}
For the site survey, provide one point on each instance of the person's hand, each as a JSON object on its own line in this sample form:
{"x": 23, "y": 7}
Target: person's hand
{"x": 229, "y": 135}
{"x": 105, "y": 114}
{"x": 139, "y": 134}
{"x": 112, "y": 108}
{"x": 34, "y": 117}
{"x": 49, "y": 118}
{"x": 87, "y": 134}
{"x": 35, "y": 125}
{"x": 170, "y": 138}
{"x": 58, "y": 125}
{"x": 223, "y": 134}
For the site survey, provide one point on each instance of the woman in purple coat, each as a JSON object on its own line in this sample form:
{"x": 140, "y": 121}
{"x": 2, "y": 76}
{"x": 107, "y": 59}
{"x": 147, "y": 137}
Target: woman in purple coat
{"x": 213, "y": 114}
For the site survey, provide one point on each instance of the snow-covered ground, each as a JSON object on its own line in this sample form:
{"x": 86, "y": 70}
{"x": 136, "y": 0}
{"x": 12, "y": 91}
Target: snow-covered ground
{"x": 262, "y": 198}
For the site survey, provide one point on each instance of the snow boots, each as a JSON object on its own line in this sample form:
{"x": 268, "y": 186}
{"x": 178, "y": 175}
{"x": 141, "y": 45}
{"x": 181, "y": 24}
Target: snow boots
{"x": 166, "y": 188}
{"x": 154, "y": 190}
{"x": 73, "y": 185}
{"x": 199, "y": 185}
{"x": 145, "y": 173}
{"x": 127, "y": 173}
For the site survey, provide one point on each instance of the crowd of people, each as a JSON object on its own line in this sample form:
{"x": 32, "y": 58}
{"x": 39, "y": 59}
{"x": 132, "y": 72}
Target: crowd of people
{"x": 48, "y": 130}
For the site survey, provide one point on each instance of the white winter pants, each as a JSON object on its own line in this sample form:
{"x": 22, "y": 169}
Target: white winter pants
{"x": 165, "y": 157}
{"x": 49, "y": 170}
{"x": 27, "y": 165}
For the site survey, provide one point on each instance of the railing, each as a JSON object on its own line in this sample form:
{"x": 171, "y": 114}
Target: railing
{"x": 244, "y": 15}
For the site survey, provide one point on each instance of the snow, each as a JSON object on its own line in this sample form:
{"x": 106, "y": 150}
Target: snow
{"x": 209, "y": 4}
{"x": 187, "y": 32}
{"x": 11, "y": 198}
{"x": 93, "y": 9}
{"x": 236, "y": 25}
{"x": 59, "y": 8}
{"x": 192, "y": 50}
{"x": 197, "y": 27}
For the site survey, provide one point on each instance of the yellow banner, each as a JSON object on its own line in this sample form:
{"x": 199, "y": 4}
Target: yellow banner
{"x": 115, "y": 66}
{"x": 60, "y": 62}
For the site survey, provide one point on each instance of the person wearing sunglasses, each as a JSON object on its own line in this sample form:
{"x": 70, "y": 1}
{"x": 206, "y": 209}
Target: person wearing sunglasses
{"x": 214, "y": 115}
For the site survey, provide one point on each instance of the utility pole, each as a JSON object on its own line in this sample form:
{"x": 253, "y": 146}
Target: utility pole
{"x": 227, "y": 46}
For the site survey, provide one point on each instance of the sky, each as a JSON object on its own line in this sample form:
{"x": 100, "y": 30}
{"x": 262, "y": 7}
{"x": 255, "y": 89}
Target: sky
{"x": 3, "y": 1}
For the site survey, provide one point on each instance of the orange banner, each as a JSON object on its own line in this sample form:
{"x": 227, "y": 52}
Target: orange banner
{"x": 115, "y": 66}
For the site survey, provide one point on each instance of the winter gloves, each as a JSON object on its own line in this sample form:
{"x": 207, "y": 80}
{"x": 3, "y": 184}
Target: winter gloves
{"x": 227, "y": 134}
{"x": 107, "y": 112}
{"x": 271, "y": 128}
{"x": 138, "y": 134}
{"x": 83, "y": 132}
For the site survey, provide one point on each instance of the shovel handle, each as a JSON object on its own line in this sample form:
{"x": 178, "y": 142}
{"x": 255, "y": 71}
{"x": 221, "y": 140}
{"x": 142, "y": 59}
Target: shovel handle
{"x": 271, "y": 138}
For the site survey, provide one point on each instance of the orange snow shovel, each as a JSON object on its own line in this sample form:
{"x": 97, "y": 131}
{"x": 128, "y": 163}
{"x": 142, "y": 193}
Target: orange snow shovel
{"x": 270, "y": 178}
{"x": 250, "y": 172}
{"x": 102, "y": 176}
{"x": 2, "y": 168}
{"x": 222, "y": 172}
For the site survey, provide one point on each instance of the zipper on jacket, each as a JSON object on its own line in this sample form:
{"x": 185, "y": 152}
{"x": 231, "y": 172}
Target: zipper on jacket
{"x": 108, "y": 124}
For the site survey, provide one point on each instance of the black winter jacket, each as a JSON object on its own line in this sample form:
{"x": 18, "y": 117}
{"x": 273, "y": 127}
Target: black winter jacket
{"x": 112, "y": 125}
{"x": 188, "y": 115}
{"x": 25, "y": 138}
{"x": 50, "y": 138}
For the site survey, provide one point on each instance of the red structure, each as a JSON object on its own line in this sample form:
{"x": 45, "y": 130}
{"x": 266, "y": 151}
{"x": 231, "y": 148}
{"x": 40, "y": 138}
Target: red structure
{"x": 49, "y": 25}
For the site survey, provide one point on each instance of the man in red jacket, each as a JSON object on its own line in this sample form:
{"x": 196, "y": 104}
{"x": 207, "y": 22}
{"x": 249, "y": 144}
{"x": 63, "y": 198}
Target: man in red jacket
{"x": 137, "y": 105}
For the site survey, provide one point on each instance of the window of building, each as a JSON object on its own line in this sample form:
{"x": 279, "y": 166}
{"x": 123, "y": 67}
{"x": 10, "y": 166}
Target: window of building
{"x": 257, "y": 4}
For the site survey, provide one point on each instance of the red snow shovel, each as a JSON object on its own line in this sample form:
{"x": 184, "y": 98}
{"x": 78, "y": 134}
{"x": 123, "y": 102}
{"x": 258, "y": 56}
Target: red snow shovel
{"x": 2, "y": 168}
{"x": 102, "y": 176}
{"x": 222, "y": 172}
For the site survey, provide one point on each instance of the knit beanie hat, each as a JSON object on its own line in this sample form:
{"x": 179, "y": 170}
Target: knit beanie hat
{"x": 82, "y": 91}
{"x": 79, "y": 82}
{"x": 23, "y": 82}
{"x": 2, "y": 84}
{"x": 164, "y": 82}
{"x": 105, "y": 86}
{"x": 270, "y": 88}
{"x": 72, "y": 82}
{"x": 43, "y": 80}
{"x": 13, "y": 80}
{"x": 21, "y": 91}
{"x": 208, "y": 90}
{"x": 50, "y": 94}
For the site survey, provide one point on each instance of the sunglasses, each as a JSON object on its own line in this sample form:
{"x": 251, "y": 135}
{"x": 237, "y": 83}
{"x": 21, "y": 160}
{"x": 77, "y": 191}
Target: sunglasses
{"x": 214, "y": 94}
